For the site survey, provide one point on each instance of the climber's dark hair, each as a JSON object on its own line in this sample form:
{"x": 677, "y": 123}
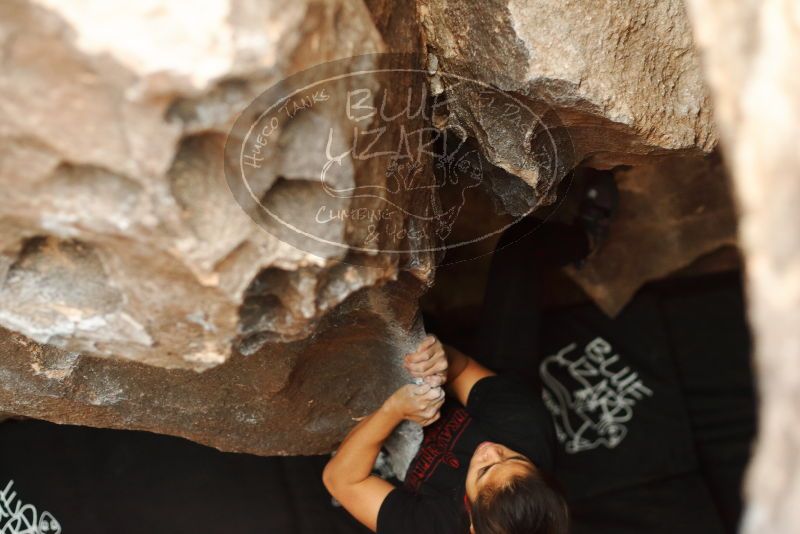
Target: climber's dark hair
{"x": 527, "y": 504}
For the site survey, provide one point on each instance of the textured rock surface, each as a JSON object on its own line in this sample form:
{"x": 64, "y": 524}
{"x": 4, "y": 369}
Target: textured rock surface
{"x": 620, "y": 76}
{"x": 751, "y": 51}
{"x": 292, "y": 398}
{"x": 670, "y": 213}
{"x": 125, "y": 261}
{"x": 118, "y": 234}
{"x": 126, "y": 265}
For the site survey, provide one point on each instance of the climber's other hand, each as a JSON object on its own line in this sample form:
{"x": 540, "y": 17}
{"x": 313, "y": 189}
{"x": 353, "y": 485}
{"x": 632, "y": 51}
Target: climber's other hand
{"x": 418, "y": 403}
{"x": 428, "y": 362}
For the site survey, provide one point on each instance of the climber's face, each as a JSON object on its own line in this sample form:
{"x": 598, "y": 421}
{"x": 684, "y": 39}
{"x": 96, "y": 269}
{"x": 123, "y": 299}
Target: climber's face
{"x": 493, "y": 465}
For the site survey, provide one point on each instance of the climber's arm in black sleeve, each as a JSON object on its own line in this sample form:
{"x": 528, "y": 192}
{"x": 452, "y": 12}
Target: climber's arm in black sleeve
{"x": 348, "y": 475}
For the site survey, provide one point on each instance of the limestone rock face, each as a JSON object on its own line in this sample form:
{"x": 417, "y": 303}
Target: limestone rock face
{"x": 617, "y": 85}
{"x": 140, "y": 289}
{"x": 750, "y": 52}
{"x": 118, "y": 233}
{"x": 615, "y": 80}
{"x": 126, "y": 264}
{"x": 299, "y": 397}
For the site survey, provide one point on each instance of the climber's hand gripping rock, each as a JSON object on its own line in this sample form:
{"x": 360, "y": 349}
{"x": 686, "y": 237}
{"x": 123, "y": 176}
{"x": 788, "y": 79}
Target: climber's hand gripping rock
{"x": 428, "y": 362}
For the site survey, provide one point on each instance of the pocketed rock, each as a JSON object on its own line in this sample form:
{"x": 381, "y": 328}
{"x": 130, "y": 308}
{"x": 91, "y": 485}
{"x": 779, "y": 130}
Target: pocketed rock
{"x": 134, "y": 291}
{"x": 119, "y": 236}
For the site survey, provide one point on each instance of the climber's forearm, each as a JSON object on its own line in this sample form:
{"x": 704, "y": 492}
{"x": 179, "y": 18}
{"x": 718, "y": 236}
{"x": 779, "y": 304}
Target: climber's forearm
{"x": 462, "y": 373}
{"x": 356, "y": 456}
{"x": 456, "y": 362}
{"x": 348, "y": 474}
